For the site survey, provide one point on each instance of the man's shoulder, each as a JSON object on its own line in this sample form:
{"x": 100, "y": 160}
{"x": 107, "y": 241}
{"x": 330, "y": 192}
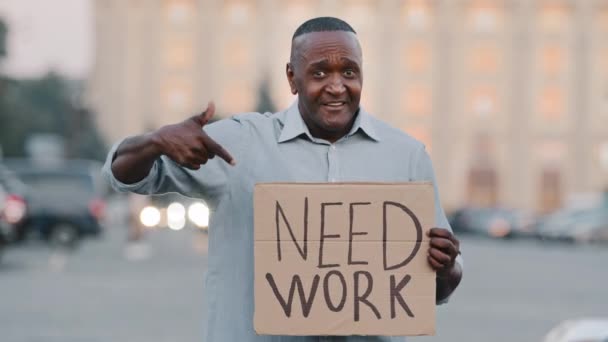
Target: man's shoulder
{"x": 392, "y": 134}
{"x": 253, "y": 117}
{"x": 255, "y": 120}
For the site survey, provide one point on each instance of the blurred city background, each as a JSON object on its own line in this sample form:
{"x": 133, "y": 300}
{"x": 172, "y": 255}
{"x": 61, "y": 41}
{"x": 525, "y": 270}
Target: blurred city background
{"x": 509, "y": 96}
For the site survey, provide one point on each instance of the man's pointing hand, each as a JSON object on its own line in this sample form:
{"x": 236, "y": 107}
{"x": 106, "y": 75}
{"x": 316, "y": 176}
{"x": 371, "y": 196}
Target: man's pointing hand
{"x": 187, "y": 144}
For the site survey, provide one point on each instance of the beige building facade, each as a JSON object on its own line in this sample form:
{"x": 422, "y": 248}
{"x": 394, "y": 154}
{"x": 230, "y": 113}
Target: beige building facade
{"x": 510, "y": 96}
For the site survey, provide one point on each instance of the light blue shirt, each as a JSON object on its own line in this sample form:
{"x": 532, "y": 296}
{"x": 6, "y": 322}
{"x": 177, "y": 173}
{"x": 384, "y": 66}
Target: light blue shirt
{"x": 274, "y": 148}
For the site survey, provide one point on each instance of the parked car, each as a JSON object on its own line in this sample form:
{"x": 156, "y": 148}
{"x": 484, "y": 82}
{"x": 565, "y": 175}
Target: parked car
{"x": 64, "y": 200}
{"x": 579, "y": 330}
{"x": 492, "y": 221}
{"x": 5, "y": 228}
{"x": 12, "y": 208}
{"x": 599, "y": 234}
{"x": 575, "y": 225}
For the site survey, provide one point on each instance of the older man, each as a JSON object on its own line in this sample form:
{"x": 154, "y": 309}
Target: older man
{"x": 325, "y": 136}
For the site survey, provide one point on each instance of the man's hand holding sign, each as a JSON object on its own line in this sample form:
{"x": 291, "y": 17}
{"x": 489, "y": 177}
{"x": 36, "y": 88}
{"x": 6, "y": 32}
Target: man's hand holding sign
{"x": 443, "y": 251}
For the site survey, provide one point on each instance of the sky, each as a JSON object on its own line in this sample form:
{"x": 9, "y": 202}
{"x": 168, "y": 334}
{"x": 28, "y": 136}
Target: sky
{"x": 48, "y": 35}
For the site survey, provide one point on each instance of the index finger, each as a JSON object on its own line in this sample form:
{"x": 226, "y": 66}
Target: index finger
{"x": 218, "y": 150}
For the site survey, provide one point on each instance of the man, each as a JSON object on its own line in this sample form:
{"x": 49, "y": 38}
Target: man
{"x": 324, "y": 137}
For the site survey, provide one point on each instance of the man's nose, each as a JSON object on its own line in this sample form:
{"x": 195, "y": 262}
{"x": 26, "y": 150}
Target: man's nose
{"x": 336, "y": 86}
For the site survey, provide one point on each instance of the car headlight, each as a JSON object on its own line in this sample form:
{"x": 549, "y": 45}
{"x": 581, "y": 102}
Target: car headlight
{"x": 176, "y": 216}
{"x": 198, "y": 213}
{"x": 149, "y": 216}
{"x": 500, "y": 228}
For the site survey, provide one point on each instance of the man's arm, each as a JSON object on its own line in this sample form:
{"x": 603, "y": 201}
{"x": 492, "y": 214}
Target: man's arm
{"x": 135, "y": 157}
{"x": 186, "y": 143}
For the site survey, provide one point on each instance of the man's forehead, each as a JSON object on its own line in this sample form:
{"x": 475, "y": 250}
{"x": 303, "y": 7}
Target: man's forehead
{"x": 315, "y": 40}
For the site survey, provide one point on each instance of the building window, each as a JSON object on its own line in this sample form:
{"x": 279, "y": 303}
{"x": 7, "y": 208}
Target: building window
{"x": 237, "y": 12}
{"x": 484, "y": 16}
{"x": 484, "y": 59}
{"x": 179, "y": 11}
{"x": 603, "y": 55}
{"x": 237, "y": 97}
{"x": 234, "y": 53}
{"x": 416, "y": 14}
{"x": 603, "y": 110}
{"x": 482, "y": 186}
{"x": 552, "y": 60}
{"x": 358, "y": 12}
{"x": 420, "y": 133}
{"x": 369, "y": 59}
{"x": 551, "y": 103}
{"x": 179, "y": 55}
{"x": 483, "y": 101}
{"x": 554, "y": 16}
{"x": 417, "y": 100}
{"x": 550, "y": 189}
{"x": 603, "y": 155}
{"x": 602, "y": 19}
{"x": 297, "y": 11}
{"x": 178, "y": 96}
{"x": 482, "y": 180}
{"x": 417, "y": 57}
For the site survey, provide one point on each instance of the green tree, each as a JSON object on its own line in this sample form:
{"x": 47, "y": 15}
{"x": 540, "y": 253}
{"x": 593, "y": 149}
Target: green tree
{"x": 46, "y": 105}
{"x": 3, "y": 34}
{"x": 264, "y": 102}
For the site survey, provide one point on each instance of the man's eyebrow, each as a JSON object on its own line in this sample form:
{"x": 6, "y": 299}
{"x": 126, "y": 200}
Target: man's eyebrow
{"x": 323, "y": 62}
{"x": 350, "y": 61}
{"x": 319, "y": 62}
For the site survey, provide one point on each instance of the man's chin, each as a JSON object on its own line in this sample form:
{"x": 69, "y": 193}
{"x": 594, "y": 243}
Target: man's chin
{"x": 336, "y": 126}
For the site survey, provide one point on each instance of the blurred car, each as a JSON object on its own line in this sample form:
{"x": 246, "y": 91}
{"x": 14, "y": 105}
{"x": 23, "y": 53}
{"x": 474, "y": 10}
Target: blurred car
{"x": 579, "y": 330}
{"x": 593, "y": 228}
{"x": 5, "y": 228}
{"x": 492, "y": 221}
{"x": 13, "y": 207}
{"x": 172, "y": 211}
{"x": 575, "y": 225}
{"x": 599, "y": 234}
{"x": 64, "y": 199}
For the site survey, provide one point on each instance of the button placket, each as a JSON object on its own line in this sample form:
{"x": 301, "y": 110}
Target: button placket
{"x": 334, "y": 164}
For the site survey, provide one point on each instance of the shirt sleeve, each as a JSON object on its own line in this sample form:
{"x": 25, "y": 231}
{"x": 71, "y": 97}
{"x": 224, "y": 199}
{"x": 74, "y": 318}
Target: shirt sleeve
{"x": 207, "y": 183}
{"x": 424, "y": 172}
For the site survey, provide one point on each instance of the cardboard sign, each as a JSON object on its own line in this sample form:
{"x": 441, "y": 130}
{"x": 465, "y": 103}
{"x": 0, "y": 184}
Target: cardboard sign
{"x": 343, "y": 259}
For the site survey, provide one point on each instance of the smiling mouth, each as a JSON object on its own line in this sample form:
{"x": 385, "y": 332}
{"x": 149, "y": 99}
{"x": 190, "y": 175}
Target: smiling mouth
{"x": 335, "y": 104}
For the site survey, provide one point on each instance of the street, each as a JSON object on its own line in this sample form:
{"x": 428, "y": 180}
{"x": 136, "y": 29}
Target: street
{"x": 512, "y": 290}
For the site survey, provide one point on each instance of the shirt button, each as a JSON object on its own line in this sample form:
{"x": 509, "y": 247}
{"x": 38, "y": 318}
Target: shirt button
{"x": 333, "y": 147}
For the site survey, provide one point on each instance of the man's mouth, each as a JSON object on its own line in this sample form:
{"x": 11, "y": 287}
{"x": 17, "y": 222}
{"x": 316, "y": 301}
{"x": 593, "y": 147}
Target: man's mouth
{"x": 335, "y": 104}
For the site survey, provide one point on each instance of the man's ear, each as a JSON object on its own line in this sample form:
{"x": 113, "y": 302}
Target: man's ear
{"x": 290, "y": 78}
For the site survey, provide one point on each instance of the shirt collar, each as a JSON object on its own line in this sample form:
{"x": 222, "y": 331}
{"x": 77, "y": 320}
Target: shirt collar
{"x": 294, "y": 125}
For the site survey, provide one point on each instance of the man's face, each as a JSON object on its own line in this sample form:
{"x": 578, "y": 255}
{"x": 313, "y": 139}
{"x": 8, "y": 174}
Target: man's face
{"x": 325, "y": 72}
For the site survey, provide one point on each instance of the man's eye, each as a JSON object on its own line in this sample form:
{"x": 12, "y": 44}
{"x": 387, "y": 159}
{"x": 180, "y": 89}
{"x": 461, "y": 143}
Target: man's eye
{"x": 349, "y": 73}
{"x": 319, "y": 74}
